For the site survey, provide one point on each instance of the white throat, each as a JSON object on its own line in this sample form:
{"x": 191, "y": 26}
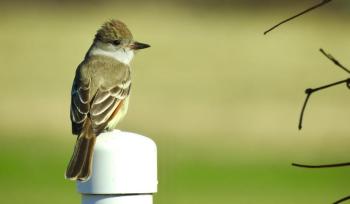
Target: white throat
{"x": 123, "y": 55}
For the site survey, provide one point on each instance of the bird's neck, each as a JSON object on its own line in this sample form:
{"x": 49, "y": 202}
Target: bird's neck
{"x": 122, "y": 55}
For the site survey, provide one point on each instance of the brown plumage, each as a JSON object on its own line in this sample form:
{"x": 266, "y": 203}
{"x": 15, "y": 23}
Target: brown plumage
{"x": 100, "y": 91}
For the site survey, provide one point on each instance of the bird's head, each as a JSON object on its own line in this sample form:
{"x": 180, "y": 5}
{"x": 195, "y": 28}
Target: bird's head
{"x": 114, "y": 35}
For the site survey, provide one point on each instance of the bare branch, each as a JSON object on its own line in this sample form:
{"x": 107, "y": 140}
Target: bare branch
{"x": 299, "y": 14}
{"x": 335, "y": 61}
{"x": 342, "y": 200}
{"x": 326, "y": 166}
{"x": 322, "y": 166}
{"x": 310, "y": 91}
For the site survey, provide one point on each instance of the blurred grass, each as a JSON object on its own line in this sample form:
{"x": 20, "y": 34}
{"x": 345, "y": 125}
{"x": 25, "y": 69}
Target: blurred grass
{"x": 32, "y": 172}
{"x": 220, "y": 99}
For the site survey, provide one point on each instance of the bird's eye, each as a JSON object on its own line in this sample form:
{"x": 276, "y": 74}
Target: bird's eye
{"x": 116, "y": 42}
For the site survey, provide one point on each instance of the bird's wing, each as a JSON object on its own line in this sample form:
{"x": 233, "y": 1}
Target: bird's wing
{"x": 106, "y": 104}
{"x": 80, "y": 105}
{"x": 103, "y": 106}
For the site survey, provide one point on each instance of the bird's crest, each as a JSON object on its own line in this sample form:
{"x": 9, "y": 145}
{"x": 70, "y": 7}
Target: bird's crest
{"x": 113, "y": 30}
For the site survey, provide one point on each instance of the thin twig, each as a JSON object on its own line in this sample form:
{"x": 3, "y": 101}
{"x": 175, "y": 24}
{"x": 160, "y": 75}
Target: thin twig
{"x": 335, "y": 61}
{"x": 322, "y": 166}
{"x": 297, "y": 15}
{"x": 310, "y": 91}
{"x": 342, "y": 200}
{"x": 300, "y": 126}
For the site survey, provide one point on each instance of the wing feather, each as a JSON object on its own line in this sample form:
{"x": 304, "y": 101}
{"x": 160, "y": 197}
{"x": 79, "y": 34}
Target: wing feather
{"x": 83, "y": 93}
{"x": 79, "y": 104}
{"x": 101, "y": 96}
{"x": 102, "y": 109}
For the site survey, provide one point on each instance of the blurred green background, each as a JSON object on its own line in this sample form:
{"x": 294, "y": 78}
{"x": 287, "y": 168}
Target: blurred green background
{"x": 221, "y": 100}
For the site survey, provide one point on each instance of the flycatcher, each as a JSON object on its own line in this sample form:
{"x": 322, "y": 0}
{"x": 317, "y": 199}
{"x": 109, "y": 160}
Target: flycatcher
{"x": 100, "y": 92}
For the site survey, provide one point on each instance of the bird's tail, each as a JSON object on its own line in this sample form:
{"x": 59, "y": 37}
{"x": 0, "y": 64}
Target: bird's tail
{"x": 79, "y": 167}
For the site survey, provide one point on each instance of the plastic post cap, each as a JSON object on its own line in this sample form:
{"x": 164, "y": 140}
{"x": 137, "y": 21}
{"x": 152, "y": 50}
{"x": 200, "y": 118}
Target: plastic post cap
{"x": 123, "y": 163}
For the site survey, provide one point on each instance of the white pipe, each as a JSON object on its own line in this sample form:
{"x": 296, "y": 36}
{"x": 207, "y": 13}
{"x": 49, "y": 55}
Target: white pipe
{"x": 124, "y": 170}
{"x": 109, "y": 199}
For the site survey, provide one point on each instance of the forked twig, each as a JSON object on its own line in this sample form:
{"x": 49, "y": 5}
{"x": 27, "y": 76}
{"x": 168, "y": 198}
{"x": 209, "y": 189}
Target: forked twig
{"x": 310, "y": 91}
{"x": 297, "y": 15}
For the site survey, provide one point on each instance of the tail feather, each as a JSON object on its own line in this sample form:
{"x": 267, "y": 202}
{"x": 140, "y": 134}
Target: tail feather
{"x": 87, "y": 166}
{"x": 79, "y": 167}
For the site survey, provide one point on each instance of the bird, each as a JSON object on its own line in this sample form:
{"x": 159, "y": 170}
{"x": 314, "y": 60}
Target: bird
{"x": 100, "y": 92}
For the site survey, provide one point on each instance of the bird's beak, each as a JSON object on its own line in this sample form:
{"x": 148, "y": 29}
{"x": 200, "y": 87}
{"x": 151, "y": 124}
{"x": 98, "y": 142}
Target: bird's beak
{"x": 138, "y": 46}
